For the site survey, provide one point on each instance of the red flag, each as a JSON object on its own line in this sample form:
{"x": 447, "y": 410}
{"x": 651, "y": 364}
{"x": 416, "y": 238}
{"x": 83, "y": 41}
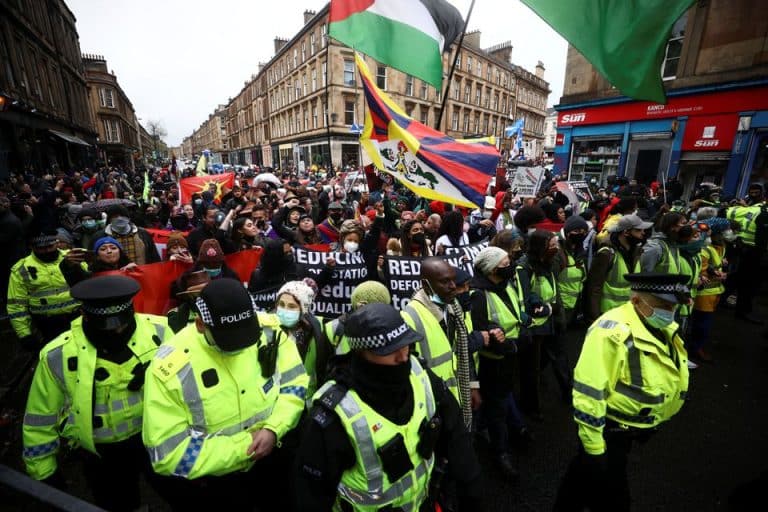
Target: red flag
{"x": 155, "y": 280}
{"x": 317, "y": 247}
{"x": 244, "y": 262}
{"x": 199, "y": 184}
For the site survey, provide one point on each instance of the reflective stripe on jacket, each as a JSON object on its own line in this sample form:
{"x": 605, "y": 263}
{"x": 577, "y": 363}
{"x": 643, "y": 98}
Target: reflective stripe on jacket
{"x": 201, "y": 405}
{"x": 616, "y": 289}
{"x": 62, "y": 401}
{"x": 624, "y": 373}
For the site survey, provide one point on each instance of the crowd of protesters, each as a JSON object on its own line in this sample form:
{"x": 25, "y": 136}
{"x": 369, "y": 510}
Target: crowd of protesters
{"x": 567, "y": 261}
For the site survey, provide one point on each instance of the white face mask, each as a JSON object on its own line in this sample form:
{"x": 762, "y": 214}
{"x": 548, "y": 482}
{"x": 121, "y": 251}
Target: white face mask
{"x": 591, "y": 226}
{"x": 351, "y": 246}
{"x": 729, "y": 235}
{"x": 487, "y": 214}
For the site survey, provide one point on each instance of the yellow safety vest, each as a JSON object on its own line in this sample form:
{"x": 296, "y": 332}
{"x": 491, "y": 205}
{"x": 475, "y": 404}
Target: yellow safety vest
{"x": 365, "y": 486}
{"x": 37, "y": 288}
{"x": 745, "y": 216}
{"x": 692, "y": 269}
{"x": 201, "y": 405}
{"x": 499, "y": 314}
{"x": 624, "y": 373}
{"x": 66, "y": 400}
{"x": 546, "y": 288}
{"x": 570, "y": 281}
{"x": 670, "y": 259}
{"x": 714, "y": 255}
{"x": 616, "y": 290}
{"x": 434, "y": 347}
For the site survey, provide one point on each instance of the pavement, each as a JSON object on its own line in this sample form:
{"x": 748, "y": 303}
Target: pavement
{"x": 713, "y": 456}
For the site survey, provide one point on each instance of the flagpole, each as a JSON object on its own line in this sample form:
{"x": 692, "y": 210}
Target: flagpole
{"x": 453, "y": 67}
{"x": 327, "y": 113}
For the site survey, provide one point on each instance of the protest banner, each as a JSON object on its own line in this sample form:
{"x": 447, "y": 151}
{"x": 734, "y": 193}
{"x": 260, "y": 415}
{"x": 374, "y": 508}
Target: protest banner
{"x": 160, "y": 237}
{"x": 527, "y": 181}
{"x": 402, "y": 273}
{"x": 578, "y": 194}
{"x": 350, "y": 270}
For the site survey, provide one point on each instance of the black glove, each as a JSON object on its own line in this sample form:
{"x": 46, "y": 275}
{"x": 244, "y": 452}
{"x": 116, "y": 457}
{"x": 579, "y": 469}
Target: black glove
{"x": 595, "y": 467}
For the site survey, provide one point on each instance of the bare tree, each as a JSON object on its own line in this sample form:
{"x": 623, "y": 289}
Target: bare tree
{"x": 157, "y": 131}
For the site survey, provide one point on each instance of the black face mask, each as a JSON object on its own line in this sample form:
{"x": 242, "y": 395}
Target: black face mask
{"x": 288, "y": 258}
{"x": 419, "y": 238}
{"x": 506, "y": 273}
{"x": 577, "y": 240}
{"x": 633, "y": 242}
{"x": 47, "y": 257}
{"x": 335, "y": 217}
{"x": 390, "y": 378}
{"x": 465, "y": 301}
{"x": 114, "y": 339}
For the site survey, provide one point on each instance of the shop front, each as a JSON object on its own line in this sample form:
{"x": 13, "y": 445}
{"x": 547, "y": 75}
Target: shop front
{"x": 698, "y": 136}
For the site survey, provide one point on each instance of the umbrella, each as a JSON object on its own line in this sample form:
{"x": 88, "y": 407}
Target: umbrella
{"x": 103, "y": 204}
{"x": 269, "y": 178}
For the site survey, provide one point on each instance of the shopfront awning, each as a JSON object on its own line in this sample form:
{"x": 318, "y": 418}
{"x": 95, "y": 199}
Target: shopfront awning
{"x": 69, "y": 138}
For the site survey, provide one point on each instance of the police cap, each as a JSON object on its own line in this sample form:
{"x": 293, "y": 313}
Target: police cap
{"x": 106, "y": 295}
{"x": 229, "y": 313}
{"x": 378, "y": 328}
{"x": 672, "y": 288}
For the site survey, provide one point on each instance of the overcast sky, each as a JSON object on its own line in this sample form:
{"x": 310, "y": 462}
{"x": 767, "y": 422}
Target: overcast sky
{"x": 177, "y": 59}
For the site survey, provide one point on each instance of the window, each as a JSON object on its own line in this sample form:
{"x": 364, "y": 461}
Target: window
{"x": 298, "y": 123}
{"x": 466, "y": 122}
{"x": 295, "y": 58}
{"x": 111, "y": 130}
{"x": 487, "y": 102}
{"x": 488, "y": 72}
{"x": 297, "y": 85}
{"x": 325, "y": 73}
{"x": 314, "y": 117}
{"x": 458, "y": 60}
{"x": 477, "y": 122}
{"x": 325, "y": 114}
{"x": 479, "y": 68}
{"x": 455, "y": 120}
{"x": 304, "y": 84}
{"x": 22, "y": 66}
{"x": 423, "y": 90}
{"x": 349, "y": 112}
{"x": 467, "y": 93}
{"x": 106, "y": 97}
{"x": 349, "y": 73}
{"x": 485, "y": 123}
{"x": 314, "y": 79}
{"x": 306, "y": 119}
{"x": 381, "y": 77}
{"x": 5, "y": 57}
{"x": 479, "y": 94}
{"x": 312, "y": 44}
{"x": 469, "y": 64}
{"x": 408, "y": 85}
{"x": 495, "y": 102}
{"x": 674, "y": 49}
{"x": 323, "y": 35}
{"x": 456, "y": 87}
{"x": 37, "y": 85}
{"x": 303, "y": 51}
{"x": 424, "y": 116}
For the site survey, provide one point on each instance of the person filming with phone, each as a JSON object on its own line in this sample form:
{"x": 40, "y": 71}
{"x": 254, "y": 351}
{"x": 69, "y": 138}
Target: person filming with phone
{"x": 108, "y": 255}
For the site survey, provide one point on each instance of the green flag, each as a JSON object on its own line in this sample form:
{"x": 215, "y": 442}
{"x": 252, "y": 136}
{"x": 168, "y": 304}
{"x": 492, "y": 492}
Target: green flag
{"x": 623, "y": 39}
{"x": 145, "y": 193}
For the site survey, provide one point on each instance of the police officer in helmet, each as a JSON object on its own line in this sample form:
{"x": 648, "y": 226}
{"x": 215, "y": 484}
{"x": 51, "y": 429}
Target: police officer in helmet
{"x": 381, "y": 435}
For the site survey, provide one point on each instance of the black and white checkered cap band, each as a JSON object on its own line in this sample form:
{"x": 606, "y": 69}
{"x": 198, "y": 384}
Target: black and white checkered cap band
{"x": 43, "y": 241}
{"x": 660, "y": 288}
{"x": 374, "y": 341}
{"x": 205, "y": 313}
{"x": 108, "y": 310}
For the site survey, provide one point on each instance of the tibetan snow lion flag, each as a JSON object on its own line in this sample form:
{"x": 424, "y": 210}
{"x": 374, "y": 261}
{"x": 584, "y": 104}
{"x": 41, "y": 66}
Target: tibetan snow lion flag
{"x": 428, "y": 162}
{"x": 199, "y": 184}
{"x": 409, "y": 35}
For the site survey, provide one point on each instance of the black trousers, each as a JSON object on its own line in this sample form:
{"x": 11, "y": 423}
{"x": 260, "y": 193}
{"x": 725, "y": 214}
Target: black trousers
{"x": 113, "y": 477}
{"x": 265, "y": 487}
{"x": 606, "y": 490}
{"x": 747, "y": 279}
{"x": 529, "y": 356}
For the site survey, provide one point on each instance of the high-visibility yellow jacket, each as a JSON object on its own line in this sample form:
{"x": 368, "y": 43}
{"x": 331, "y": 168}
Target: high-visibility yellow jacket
{"x": 334, "y": 330}
{"x": 434, "y": 347}
{"x": 67, "y": 400}
{"x": 616, "y": 290}
{"x": 499, "y": 314}
{"x": 745, "y": 216}
{"x": 365, "y": 486}
{"x": 201, "y": 405}
{"x": 37, "y": 288}
{"x": 626, "y": 374}
{"x": 690, "y": 267}
{"x": 570, "y": 281}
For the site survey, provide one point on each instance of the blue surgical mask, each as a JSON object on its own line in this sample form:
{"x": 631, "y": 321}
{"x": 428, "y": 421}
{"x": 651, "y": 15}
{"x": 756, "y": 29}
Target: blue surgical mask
{"x": 288, "y": 317}
{"x": 660, "y": 318}
{"x": 213, "y": 272}
{"x": 89, "y": 224}
{"x": 694, "y": 246}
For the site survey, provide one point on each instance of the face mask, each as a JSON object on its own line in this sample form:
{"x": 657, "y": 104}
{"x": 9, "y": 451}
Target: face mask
{"x": 90, "y": 225}
{"x": 487, "y": 214}
{"x": 121, "y": 225}
{"x": 506, "y": 273}
{"x": 577, "y": 239}
{"x": 418, "y": 238}
{"x": 432, "y": 295}
{"x": 660, "y": 318}
{"x": 633, "y": 242}
{"x": 729, "y": 235}
{"x": 335, "y": 217}
{"x": 288, "y": 317}
{"x": 692, "y": 216}
{"x": 694, "y": 246}
{"x": 213, "y": 272}
{"x": 351, "y": 246}
{"x": 47, "y": 257}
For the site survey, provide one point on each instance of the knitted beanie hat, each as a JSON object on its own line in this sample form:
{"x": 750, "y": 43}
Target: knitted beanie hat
{"x": 370, "y": 292}
{"x": 301, "y": 291}
{"x": 488, "y": 259}
{"x": 575, "y": 222}
{"x": 210, "y": 253}
{"x": 717, "y": 224}
{"x": 106, "y": 240}
{"x": 350, "y": 226}
{"x": 176, "y": 240}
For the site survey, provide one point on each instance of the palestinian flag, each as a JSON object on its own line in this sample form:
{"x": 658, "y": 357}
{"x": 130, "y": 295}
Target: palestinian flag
{"x": 409, "y": 35}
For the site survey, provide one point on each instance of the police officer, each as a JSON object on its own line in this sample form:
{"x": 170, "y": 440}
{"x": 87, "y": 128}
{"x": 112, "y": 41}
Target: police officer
{"x": 631, "y": 377}
{"x": 367, "y": 292}
{"x": 220, "y": 396}
{"x": 87, "y": 389}
{"x": 39, "y": 305}
{"x": 752, "y": 218}
{"x": 375, "y": 436}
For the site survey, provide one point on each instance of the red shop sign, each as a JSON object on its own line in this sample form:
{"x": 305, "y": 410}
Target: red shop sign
{"x": 710, "y": 133}
{"x": 739, "y": 100}
{"x": 559, "y": 139}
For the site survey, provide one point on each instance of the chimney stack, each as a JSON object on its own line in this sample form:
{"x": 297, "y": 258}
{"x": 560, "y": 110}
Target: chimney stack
{"x": 279, "y": 44}
{"x": 540, "y": 70}
{"x": 472, "y": 38}
{"x": 308, "y": 15}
